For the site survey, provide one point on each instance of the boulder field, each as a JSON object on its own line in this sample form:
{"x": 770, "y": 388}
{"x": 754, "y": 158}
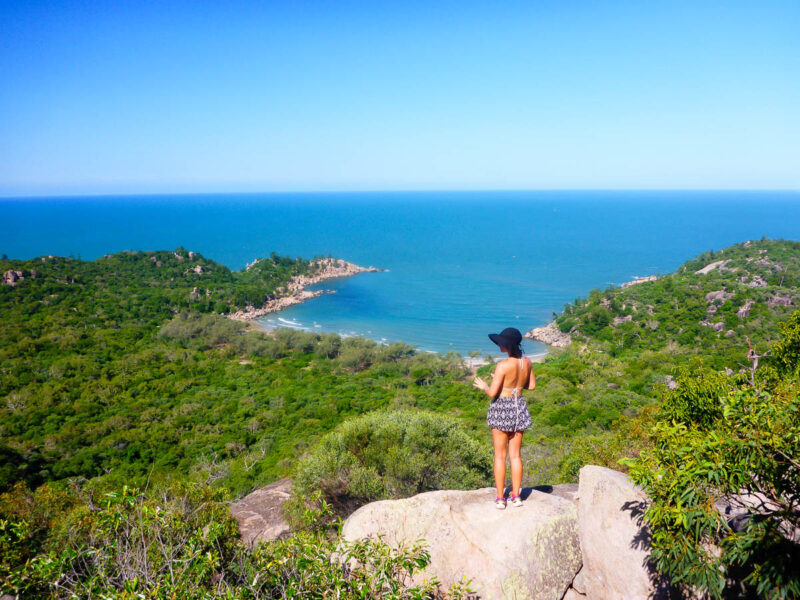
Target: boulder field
{"x": 569, "y": 542}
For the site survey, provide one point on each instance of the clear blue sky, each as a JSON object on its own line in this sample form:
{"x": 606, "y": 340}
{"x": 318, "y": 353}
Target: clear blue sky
{"x": 115, "y": 97}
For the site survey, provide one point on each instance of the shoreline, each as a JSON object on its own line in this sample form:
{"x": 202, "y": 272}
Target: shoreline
{"x": 295, "y": 292}
{"x": 475, "y": 363}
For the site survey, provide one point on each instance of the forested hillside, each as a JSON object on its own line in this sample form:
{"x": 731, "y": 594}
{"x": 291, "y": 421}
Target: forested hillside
{"x": 709, "y": 306}
{"x": 125, "y": 373}
{"x": 631, "y": 342}
{"x": 123, "y": 368}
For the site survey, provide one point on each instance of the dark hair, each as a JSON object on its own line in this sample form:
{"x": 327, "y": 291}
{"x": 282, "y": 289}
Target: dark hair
{"x": 516, "y": 351}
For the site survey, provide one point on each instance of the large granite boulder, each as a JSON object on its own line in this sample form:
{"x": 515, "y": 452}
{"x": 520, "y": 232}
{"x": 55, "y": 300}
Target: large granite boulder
{"x": 614, "y": 542}
{"x": 516, "y": 553}
{"x": 259, "y": 514}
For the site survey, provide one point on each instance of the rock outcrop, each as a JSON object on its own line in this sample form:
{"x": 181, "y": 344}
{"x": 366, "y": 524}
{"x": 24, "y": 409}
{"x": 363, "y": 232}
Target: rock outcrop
{"x": 720, "y": 295}
{"x": 528, "y": 552}
{"x": 614, "y": 544}
{"x": 326, "y": 268}
{"x": 778, "y": 300}
{"x": 638, "y": 280}
{"x": 568, "y": 542}
{"x": 744, "y": 311}
{"x": 711, "y": 266}
{"x": 11, "y": 277}
{"x": 550, "y": 335}
{"x": 259, "y": 514}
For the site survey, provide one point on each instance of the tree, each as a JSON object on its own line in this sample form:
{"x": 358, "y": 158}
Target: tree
{"x": 724, "y": 483}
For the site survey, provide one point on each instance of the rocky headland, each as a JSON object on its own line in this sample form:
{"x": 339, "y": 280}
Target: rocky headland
{"x": 551, "y": 335}
{"x": 295, "y": 293}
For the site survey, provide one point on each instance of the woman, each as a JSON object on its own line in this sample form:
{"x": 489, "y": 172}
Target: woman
{"x": 508, "y": 414}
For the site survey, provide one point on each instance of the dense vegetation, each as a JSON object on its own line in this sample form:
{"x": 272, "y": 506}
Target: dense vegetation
{"x": 595, "y": 399}
{"x": 124, "y": 371}
{"x": 111, "y": 371}
{"x": 181, "y": 542}
{"x": 392, "y": 455}
{"x": 745, "y": 290}
{"x": 723, "y": 474}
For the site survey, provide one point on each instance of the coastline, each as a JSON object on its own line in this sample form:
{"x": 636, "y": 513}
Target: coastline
{"x": 295, "y": 292}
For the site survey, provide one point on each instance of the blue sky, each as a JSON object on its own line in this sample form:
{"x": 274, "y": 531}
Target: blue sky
{"x": 147, "y": 97}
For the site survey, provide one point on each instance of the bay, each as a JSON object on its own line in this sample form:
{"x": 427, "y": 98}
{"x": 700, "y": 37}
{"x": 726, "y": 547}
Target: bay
{"x": 459, "y": 265}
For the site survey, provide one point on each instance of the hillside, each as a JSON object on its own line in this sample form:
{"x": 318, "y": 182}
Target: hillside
{"x": 596, "y": 397}
{"x": 123, "y": 373}
{"x": 122, "y": 368}
{"x": 709, "y": 305}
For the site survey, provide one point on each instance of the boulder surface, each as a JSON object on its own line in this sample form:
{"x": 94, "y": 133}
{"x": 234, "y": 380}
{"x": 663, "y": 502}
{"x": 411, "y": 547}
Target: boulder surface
{"x": 259, "y": 514}
{"x": 527, "y": 552}
{"x": 614, "y": 543}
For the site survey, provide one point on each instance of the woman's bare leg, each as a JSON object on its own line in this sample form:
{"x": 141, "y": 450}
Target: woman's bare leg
{"x": 500, "y": 441}
{"x": 514, "y": 446}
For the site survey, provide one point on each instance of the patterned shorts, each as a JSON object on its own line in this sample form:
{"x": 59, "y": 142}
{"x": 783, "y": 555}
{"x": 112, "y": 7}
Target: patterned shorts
{"x": 509, "y": 414}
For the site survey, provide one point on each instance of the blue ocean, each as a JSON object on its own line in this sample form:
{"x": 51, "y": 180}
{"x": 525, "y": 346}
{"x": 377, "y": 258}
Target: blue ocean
{"x": 458, "y": 265}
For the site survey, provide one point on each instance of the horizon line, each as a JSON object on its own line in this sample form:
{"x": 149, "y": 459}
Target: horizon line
{"x": 387, "y": 191}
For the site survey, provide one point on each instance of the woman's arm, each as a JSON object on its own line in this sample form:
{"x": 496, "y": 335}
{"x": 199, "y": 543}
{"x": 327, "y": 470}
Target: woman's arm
{"x": 531, "y": 382}
{"x": 497, "y": 383}
{"x": 532, "y": 379}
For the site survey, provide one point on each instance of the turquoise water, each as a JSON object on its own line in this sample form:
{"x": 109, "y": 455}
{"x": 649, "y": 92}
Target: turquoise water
{"x": 459, "y": 264}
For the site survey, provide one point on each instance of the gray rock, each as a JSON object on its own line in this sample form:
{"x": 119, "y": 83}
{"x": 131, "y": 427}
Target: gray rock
{"x": 711, "y": 266}
{"x": 528, "y": 552}
{"x": 550, "y": 335}
{"x": 11, "y": 277}
{"x": 721, "y": 295}
{"x": 259, "y": 514}
{"x": 744, "y": 311}
{"x": 614, "y": 543}
{"x": 778, "y": 300}
{"x": 579, "y": 583}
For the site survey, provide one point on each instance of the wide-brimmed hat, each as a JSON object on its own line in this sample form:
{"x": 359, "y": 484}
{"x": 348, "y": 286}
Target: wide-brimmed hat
{"x": 509, "y": 338}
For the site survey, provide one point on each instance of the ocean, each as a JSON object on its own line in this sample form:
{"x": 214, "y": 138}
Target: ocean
{"x": 458, "y": 265}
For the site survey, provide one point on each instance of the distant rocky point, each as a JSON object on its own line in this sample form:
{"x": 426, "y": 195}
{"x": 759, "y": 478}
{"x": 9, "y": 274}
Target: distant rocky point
{"x": 638, "y": 280}
{"x": 295, "y": 292}
{"x": 551, "y": 335}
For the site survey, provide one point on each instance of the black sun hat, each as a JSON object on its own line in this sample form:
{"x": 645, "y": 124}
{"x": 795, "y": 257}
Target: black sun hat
{"x": 510, "y": 338}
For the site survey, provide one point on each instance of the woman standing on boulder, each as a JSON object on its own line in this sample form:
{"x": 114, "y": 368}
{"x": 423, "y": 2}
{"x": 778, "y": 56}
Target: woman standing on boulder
{"x": 508, "y": 414}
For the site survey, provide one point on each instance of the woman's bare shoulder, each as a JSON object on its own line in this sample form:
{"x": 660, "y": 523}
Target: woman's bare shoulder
{"x": 503, "y": 365}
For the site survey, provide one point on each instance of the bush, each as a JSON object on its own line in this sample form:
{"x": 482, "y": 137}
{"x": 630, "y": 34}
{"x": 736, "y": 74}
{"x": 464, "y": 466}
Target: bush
{"x": 697, "y": 399}
{"x": 746, "y": 457}
{"x": 202, "y": 331}
{"x": 183, "y": 543}
{"x": 392, "y": 455}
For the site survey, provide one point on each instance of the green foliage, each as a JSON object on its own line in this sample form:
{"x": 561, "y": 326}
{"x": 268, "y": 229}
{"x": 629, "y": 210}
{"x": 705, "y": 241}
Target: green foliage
{"x": 110, "y": 372}
{"x": 181, "y": 542}
{"x": 392, "y": 455}
{"x": 763, "y": 276}
{"x": 697, "y": 397}
{"x": 786, "y": 351}
{"x": 747, "y": 458}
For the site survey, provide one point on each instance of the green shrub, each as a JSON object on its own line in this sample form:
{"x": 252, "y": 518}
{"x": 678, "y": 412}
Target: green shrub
{"x": 392, "y": 455}
{"x": 201, "y": 331}
{"x": 697, "y": 399}
{"x": 729, "y": 446}
{"x": 183, "y": 543}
